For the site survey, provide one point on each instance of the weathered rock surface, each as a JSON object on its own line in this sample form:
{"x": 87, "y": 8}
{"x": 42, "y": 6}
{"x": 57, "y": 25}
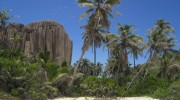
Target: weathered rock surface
{"x": 39, "y": 36}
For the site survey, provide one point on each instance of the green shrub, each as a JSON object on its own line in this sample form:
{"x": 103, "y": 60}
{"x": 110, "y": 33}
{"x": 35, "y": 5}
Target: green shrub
{"x": 6, "y": 96}
{"x": 93, "y": 86}
{"x": 175, "y": 90}
{"x": 14, "y": 92}
{"x": 170, "y": 93}
{"x": 163, "y": 94}
{"x": 147, "y": 86}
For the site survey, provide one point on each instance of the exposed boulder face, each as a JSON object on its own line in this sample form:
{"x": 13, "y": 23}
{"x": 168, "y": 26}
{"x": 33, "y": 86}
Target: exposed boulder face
{"x": 39, "y": 36}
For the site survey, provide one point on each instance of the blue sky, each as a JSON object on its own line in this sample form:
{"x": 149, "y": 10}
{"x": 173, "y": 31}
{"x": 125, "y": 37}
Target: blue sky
{"x": 141, "y": 13}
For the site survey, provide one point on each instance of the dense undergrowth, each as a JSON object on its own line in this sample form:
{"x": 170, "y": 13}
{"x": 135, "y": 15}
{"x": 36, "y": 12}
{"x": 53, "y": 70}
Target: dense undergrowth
{"x": 38, "y": 78}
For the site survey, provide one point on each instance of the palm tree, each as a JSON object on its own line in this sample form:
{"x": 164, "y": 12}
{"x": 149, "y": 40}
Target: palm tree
{"x": 158, "y": 38}
{"x": 85, "y": 67}
{"x": 99, "y": 10}
{"x": 124, "y": 42}
{"x": 138, "y": 49}
{"x": 84, "y": 49}
{"x": 94, "y": 35}
{"x": 98, "y": 69}
{"x": 160, "y": 44}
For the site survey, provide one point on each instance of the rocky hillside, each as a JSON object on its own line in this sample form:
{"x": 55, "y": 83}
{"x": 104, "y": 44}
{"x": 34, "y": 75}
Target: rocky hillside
{"x": 39, "y": 36}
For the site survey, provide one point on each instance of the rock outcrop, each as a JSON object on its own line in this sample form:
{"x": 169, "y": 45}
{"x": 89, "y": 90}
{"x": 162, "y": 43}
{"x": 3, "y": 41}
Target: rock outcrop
{"x": 46, "y": 36}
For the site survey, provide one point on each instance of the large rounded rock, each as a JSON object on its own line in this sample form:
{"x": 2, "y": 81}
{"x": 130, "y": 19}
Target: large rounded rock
{"x": 46, "y": 36}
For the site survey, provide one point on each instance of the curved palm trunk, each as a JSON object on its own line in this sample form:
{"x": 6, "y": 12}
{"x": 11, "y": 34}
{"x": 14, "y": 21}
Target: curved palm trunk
{"x": 136, "y": 75}
{"x": 75, "y": 70}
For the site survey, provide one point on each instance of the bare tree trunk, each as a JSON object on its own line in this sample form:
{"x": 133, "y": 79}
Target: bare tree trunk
{"x": 94, "y": 59}
{"x": 75, "y": 70}
{"x": 108, "y": 53}
{"x": 124, "y": 61}
{"x": 136, "y": 75}
{"x": 134, "y": 61}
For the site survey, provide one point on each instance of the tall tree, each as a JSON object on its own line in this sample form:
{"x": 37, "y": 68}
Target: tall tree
{"x": 123, "y": 44}
{"x": 95, "y": 35}
{"x": 161, "y": 42}
{"x": 138, "y": 49}
{"x": 99, "y": 10}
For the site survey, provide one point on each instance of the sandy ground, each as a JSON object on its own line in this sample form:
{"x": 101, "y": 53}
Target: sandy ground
{"x": 117, "y": 98}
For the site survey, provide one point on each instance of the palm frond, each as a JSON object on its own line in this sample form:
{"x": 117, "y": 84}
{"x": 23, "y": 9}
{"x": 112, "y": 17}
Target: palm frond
{"x": 112, "y": 2}
{"x": 85, "y": 13}
{"x": 87, "y": 4}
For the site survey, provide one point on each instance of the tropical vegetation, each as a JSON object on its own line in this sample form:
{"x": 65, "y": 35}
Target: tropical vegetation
{"x": 36, "y": 77}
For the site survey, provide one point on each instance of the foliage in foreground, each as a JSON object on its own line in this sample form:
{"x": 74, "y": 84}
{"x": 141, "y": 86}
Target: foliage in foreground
{"x": 5, "y": 96}
{"x": 26, "y": 78}
{"x": 94, "y": 86}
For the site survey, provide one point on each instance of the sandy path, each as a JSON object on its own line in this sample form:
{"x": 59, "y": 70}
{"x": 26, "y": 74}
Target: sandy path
{"x": 118, "y": 98}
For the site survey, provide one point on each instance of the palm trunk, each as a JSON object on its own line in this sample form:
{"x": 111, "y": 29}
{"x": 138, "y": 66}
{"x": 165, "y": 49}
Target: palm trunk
{"x": 136, "y": 75}
{"x": 124, "y": 59}
{"x": 94, "y": 59}
{"x": 118, "y": 72}
{"x": 108, "y": 54}
{"x": 164, "y": 67}
{"x": 134, "y": 61}
{"x": 75, "y": 70}
{"x": 94, "y": 56}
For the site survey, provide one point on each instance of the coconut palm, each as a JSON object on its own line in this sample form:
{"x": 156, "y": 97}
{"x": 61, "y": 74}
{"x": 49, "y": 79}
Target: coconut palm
{"x": 159, "y": 37}
{"x": 160, "y": 43}
{"x": 124, "y": 42}
{"x": 138, "y": 49}
{"x": 114, "y": 59}
{"x": 99, "y": 11}
{"x": 84, "y": 49}
{"x": 95, "y": 36}
{"x": 85, "y": 67}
